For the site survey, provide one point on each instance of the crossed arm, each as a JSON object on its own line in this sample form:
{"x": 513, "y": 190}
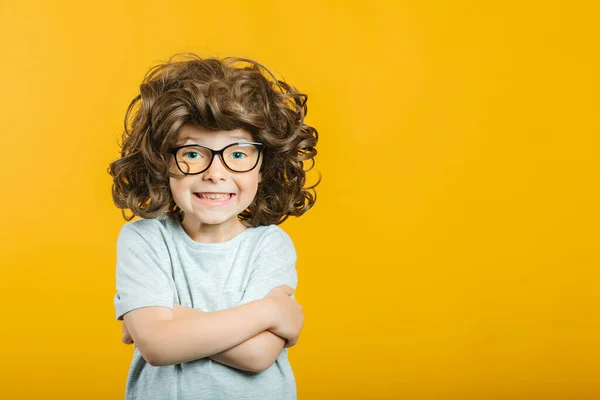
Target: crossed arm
{"x": 247, "y": 337}
{"x": 253, "y": 355}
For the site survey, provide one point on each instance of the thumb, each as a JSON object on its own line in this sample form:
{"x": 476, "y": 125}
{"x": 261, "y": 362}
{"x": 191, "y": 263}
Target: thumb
{"x": 287, "y": 289}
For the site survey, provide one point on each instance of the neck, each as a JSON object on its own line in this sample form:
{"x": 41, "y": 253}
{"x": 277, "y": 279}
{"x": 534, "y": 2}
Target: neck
{"x": 208, "y": 233}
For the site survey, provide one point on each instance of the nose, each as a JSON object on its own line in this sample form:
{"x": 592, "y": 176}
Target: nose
{"x": 216, "y": 171}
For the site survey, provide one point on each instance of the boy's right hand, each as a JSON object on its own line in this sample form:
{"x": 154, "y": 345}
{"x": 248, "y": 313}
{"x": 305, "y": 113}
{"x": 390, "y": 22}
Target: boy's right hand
{"x": 288, "y": 316}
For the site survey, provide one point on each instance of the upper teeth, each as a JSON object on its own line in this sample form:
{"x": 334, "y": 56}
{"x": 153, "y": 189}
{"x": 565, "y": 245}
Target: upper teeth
{"x": 214, "y": 196}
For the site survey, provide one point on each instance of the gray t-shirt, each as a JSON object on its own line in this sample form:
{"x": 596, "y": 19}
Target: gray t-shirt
{"x": 158, "y": 264}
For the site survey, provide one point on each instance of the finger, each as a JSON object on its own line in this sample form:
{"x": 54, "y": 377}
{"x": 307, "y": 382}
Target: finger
{"x": 127, "y": 339}
{"x": 287, "y": 289}
{"x": 291, "y": 342}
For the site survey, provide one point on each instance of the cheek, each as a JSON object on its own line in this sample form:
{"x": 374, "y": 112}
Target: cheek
{"x": 254, "y": 182}
{"x": 251, "y": 185}
{"x": 177, "y": 186}
{"x": 254, "y": 188}
{"x": 173, "y": 188}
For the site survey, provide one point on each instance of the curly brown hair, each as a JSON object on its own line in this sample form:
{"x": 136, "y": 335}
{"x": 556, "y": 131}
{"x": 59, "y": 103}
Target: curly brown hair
{"x": 216, "y": 94}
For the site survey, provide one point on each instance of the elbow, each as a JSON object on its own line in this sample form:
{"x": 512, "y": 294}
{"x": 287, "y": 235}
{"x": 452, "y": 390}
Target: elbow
{"x": 264, "y": 361}
{"x": 264, "y": 357}
{"x": 150, "y": 332}
{"x": 151, "y": 357}
{"x": 153, "y": 360}
{"x": 156, "y": 359}
{"x": 253, "y": 362}
{"x": 151, "y": 353}
{"x": 154, "y": 345}
{"x": 261, "y": 364}
{"x": 155, "y": 363}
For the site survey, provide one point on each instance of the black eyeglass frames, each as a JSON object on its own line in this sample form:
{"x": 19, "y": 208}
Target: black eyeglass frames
{"x": 192, "y": 159}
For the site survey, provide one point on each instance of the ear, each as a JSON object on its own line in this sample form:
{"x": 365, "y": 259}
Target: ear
{"x": 260, "y": 178}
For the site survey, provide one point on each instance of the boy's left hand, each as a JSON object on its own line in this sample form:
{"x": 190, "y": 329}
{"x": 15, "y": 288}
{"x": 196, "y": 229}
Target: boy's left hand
{"x": 127, "y": 339}
{"x": 291, "y": 342}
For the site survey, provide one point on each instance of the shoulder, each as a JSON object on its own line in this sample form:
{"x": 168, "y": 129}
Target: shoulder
{"x": 152, "y": 231}
{"x": 270, "y": 234}
{"x": 272, "y": 238}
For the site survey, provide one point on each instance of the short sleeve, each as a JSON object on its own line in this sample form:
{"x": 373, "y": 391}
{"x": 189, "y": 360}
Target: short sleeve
{"x": 275, "y": 265}
{"x": 143, "y": 277}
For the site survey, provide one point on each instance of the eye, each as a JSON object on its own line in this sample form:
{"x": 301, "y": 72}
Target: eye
{"x": 238, "y": 155}
{"x": 192, "y": 155}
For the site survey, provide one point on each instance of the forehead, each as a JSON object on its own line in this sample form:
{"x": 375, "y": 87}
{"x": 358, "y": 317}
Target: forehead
{"x": 195, "y": 134}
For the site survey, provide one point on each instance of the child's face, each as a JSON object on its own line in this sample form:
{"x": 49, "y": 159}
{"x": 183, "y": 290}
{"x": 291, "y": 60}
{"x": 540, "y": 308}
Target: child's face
{"x": 217, "y": 195}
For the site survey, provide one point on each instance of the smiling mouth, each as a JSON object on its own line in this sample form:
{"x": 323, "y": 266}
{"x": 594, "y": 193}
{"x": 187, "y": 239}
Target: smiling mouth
{"x": 214, "y": 196}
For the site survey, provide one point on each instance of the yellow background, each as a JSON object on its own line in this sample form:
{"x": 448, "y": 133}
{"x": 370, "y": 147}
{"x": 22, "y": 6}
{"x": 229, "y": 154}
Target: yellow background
{"x": 453, "y": 252}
